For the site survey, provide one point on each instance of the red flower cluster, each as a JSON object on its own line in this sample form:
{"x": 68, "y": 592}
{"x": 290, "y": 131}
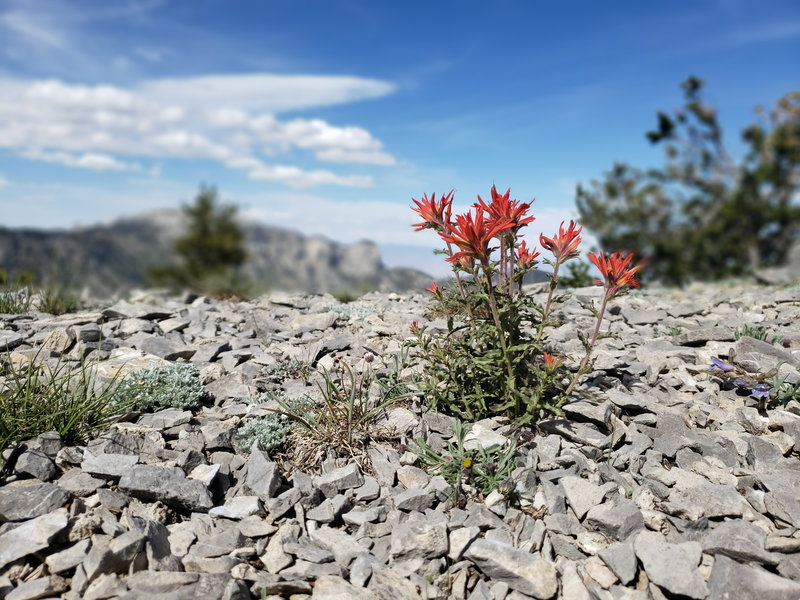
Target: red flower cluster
{"x": 615, "y": 271}
{"x": 473, "y": 232}
{"x": 502, "y": 209}
{"x": 435, "y": 215}
{"x": 563, "y": 245}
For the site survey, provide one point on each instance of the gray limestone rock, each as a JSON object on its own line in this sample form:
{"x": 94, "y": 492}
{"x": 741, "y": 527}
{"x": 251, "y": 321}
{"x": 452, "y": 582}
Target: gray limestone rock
{"x": 31, "y": 536}
{"x": 730, "y": 579}
{"x": 739, "y": 540}
{"x": 10, "y": 340}
{"x": 621, "y": 559}
{"x": 28, "y": 499}
{"x": 582, "y": 494}
{"x": 419, "y": 537}
{"x": 783, "y": 489}
{"x": 343, "y": 546}
{"x": 42, "y": 587}
{"x": 521, "y": 570}
{"x": 167, "y": 484}
{"x": 673, "y": 567}
{"x": 617, "y": 521}
{"x": 116, "y": 557}
{"x": 36, "y": 464}
{"x": 333, "y": 587}
{"x": 263, "y": 475}
{"x": 337, "y": 480}
{"x": 112, "y": 466}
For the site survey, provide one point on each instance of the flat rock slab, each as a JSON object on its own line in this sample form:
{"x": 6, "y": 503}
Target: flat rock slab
{"x": 167, "y": 484}
{"x": 31, "y": 536}
{"x": 739, "y": 540}
{"x": 671, "y": 566}
{"x": 30, "y": 500}
{"x": 730, "y": 580}
{"x": 520, "y": 570}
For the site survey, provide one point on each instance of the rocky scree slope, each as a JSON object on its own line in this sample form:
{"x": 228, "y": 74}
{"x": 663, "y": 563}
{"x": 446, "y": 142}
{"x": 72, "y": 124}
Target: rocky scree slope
{"x": 663, "y": 486}
{"x": 114, "y": 258}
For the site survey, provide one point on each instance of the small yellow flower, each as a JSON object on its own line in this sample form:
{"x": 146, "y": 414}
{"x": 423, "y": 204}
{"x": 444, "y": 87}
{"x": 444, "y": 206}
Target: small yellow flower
{"x": 466, "y": 463}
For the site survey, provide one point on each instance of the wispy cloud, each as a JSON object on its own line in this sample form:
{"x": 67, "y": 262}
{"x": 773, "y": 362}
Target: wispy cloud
{"x": 27, "y": 25}
{"x": 3, "y": 181}
{"x": 231, "y": 119}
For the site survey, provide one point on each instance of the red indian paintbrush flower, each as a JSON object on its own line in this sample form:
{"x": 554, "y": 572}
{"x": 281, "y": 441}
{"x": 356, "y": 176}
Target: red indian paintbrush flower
{"x": 551, "y": 362}
{"x": 472, "y": 234}
{"x": 615, "y": 271}
{"x": 435, "y": 215}
{"x": 503, "y": 209}
{"x": 563, "y": 245}
{"x": 526, "y": 257}
{"x": 433, "y": 289}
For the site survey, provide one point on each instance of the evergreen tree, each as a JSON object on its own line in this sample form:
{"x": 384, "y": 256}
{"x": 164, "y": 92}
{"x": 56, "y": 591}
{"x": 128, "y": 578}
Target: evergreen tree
{"x": 702, "y": 215}
{"x": 211, "y": 250}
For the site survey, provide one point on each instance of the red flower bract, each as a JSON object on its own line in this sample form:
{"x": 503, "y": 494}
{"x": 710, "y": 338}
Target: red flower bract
{"x": 526, "y": 257}
{"x": 615, "y": 271}
{"x": 435, "y": 215}
{"x": 551, "y": 362}
{"x": 563, "y": 245}
{"x": 471, "y": 232}
{"x": 503, "y": 209}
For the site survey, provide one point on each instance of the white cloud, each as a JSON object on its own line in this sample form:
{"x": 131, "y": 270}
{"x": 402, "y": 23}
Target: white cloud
{"x": 3, "y": 181}
{"x": 229, "y": 119}
{"x": 87, "y": 160}
{"x": 265, "y": 93}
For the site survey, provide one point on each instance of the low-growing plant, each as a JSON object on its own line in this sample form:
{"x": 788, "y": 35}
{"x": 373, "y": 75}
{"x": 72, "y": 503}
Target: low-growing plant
{"x": 56, "y": 300}
{"x": 343, "y": 421}
{"x": 352, "y": 310}
{"x": 758, "y": 332}
{"x": 14, "y": 299}
{"x": 484, "y": 469}
{"x": 268, "y": 431}
{"x": 156, "y": 388}
{"x": 493, "y": 360}
{"x": 37, "y": 397}
{"x": 770, "y": 389}
{"x": 287, "y": 369}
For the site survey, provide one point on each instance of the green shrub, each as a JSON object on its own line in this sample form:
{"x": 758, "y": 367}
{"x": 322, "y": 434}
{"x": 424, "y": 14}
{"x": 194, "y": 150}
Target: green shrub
{"x": 171, "y": 386}
{"x": 269, "y": 431}
{"x": 38, "y": 397}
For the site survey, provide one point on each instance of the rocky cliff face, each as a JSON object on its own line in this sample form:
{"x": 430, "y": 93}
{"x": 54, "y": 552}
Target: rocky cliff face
{"x": 109, "y": 259}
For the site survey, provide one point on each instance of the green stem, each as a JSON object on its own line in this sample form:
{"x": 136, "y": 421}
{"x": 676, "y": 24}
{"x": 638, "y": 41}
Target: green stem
{"x": 498, "y": 324}
{"x": 585, "y": 360}
{"x": 548, "y": 304}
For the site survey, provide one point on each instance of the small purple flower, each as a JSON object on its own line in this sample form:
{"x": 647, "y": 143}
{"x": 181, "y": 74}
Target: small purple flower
{"x": 721, "y": 365}
{"x": 761, "y": 391}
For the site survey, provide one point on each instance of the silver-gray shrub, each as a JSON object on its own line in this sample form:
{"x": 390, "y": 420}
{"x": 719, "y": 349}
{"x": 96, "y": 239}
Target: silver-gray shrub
{"x": 170, "y": 386}
{"x": 269, "y": 431}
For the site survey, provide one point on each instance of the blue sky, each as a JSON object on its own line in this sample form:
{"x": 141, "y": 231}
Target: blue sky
{"x": 328, "y": 117}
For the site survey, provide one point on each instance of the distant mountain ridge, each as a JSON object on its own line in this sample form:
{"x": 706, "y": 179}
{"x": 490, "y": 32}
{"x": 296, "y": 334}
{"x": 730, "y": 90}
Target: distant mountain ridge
{"x": 112, "y": 258}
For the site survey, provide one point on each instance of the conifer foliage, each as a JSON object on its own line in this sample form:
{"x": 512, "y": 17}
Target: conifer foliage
{"x": 211, "y": 250}
{"x": 704, "y": 215}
